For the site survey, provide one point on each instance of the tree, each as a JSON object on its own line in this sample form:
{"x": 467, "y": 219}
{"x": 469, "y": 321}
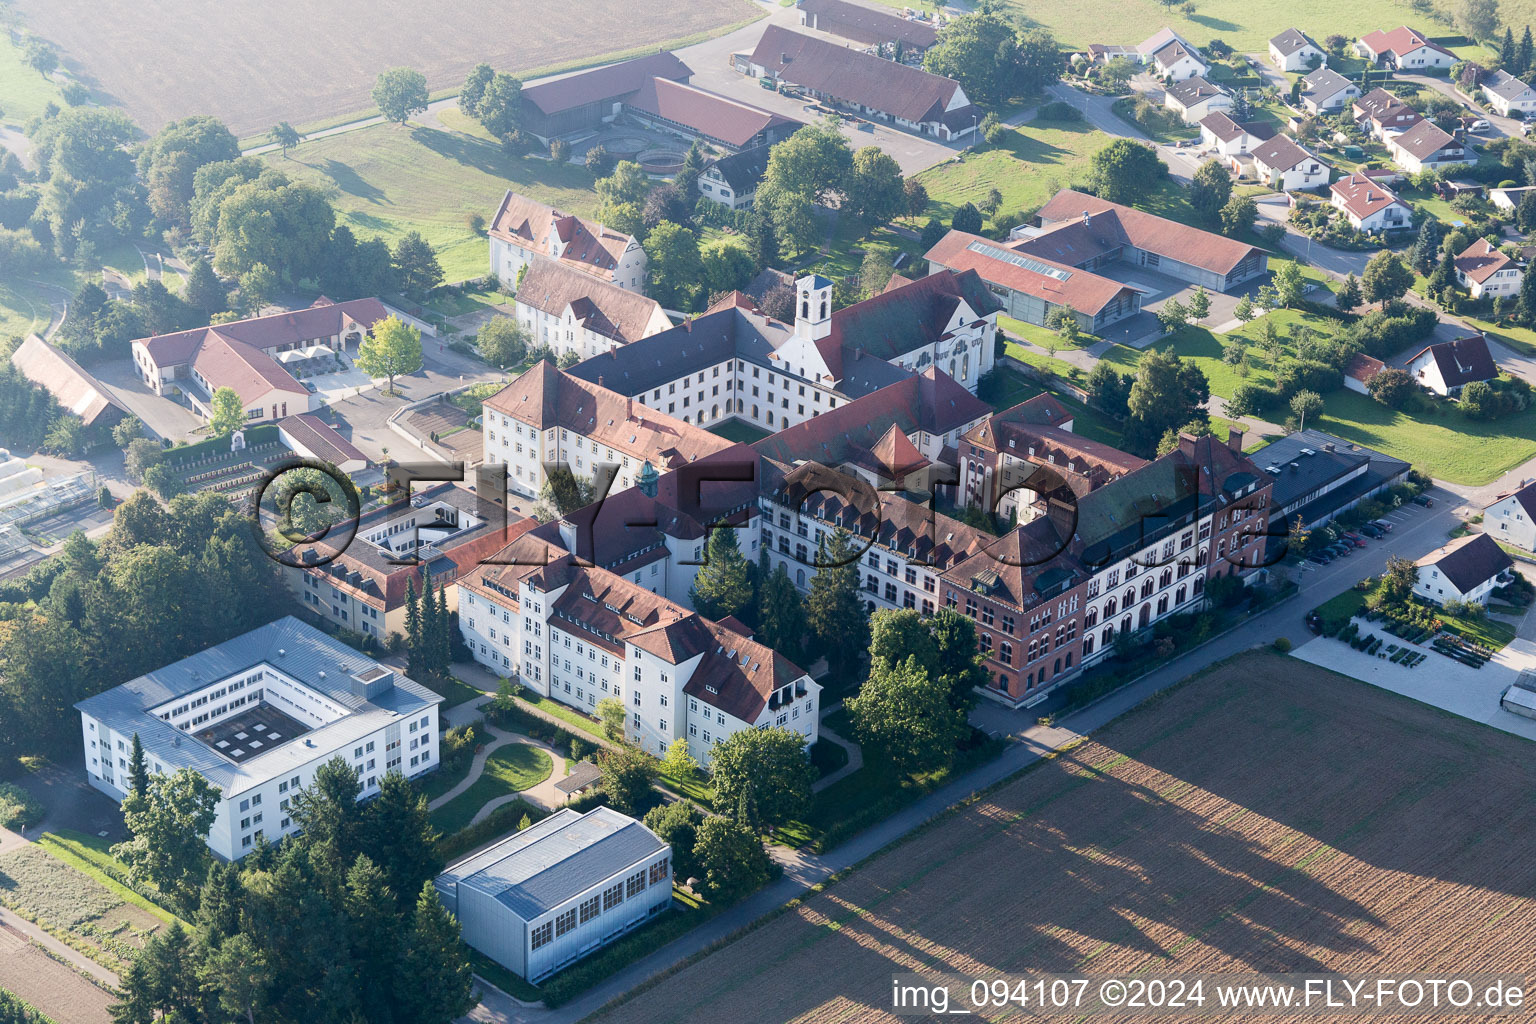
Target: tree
{"x": 284, "y": 136}
{"x": 1200, "y": 304}
{"x": 1168, "y": 392}
{"x": 416, "y": 268}
{"x": 474, "y": 87}
{"x": 1399, "y": 579}
{"x": 727, "y": 265}
{"x": 560, "y": 151}
{"x": 397, "y": 832}
{"x": 393, "y": 348}
{"x": 127, "y": 430}
{"x": 1289, "y": 284}
{"x": 723, "y": 585}
{"x": 730, "y": 857}
{"x": 502, "y": 341}
{"x": 674, "y": 265}
{"x": 399, "y": 93}
{"x": 227, "y": 412}
{"x": 1385, "y": 278}
{"x": 1479, "y": 20}
{"x": 626, "y": 774}
{"x": 1476, "y": 400}
{"x": 625, "y": 188}
{"x": 679, "y": 762}
{"x": 677, "y": 825}
{"x": 257, "y": 285}
{"x": 763, "y": 777}
{"x": 1306, "y": 403}
{"x": 834, "y": 609}
{"x": 781, "y": 615}
{"x": 138, "y": 772}
{"x": 1238, "y": 215}
{"x": 1523, "y": 56}
{"x": 666, "y": 202}
{"x": 205, "y": 291}
{"x": 914, "y": 197}
{"x": 501, "y": 105}
{"x": 763, "y": 245}
{"x": 1426, "y": 245}
{"x": 328, "y": 814}
{"x": 40, "y": 57}
{"x": 66, "y": 436}
{"x": 1210, "y": 190}
{"x": 1349, "y": 294}
{"x": 598, "y": 160}
{"x": 1108, "y": 389}
{"x": 810, "y": 168}
{"x": 1244, "y": 310}
{"x": 238, "y": 975}
{"x": 1172, "y": 315}
{"x": 169, "y": 829}
{"x": 686, "y": 180}
{"x": 1391, "y": 386}
{"x": 610, "y": 711}
{"x": 876, "y": 191}
{"x": 991, "y": 61}
{"x": 1125, "y": 171}
{"x": 436, "y": 983}
{"x": 958, "y": 662}
{"x": 1444, "y": 274}
{"x": 905, "y": 715}
{"x": 966, "y": 218}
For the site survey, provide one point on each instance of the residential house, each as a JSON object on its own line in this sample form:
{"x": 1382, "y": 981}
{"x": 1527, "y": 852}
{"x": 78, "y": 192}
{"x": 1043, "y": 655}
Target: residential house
{"x": 1359, "y": 371}
{"x": 1485, "y": 271}
{"x": 1511, "y": 517}
{"x": 559, "y": 890}
{"x": 732, "y": 180}
{"x": 1291, "y": 50}
{"x": 585, "y": 100}
{"x": 1425, "y": 145}
{"x": 1284, "y": 166}
{"x": 1448, "y": 366}
{"x": 905, "y": 96}
{"x": 1103, "y": 53}
{"x": 1086, "y": 232}
{"x": 1508, "y": 94}
{"x": 1369, "y": 206}
{"x": 1325, "y": 91}
{"x": 697, "y": 114}
{"x": 900, "y": 37}
{"x": 524, "y": 230}
{"x": 1172, "y": 56}
{"x": 1509, "y": 199}
{"x": 256, "y": 717}
{"x": 1404, "y": 48}
{"x": 1468, "y": 569}
{"x": 1193, "y": 98}
{"x": 572, "y": 312}
{"x": 1382, "y": 113}
{"x": 76, "y": 391}
{"x": 1219, "y": 132}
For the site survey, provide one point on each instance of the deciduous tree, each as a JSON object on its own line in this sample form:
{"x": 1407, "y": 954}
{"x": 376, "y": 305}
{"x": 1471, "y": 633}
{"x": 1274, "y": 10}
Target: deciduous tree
{"x": 228, "y": 414}
{"x": 169, "y": 829}
{"x": 731, "y": 858}
{"x": 762, "y": 776}
{"x": 905, "y": 715}
{"x": 1385, "y": 278}
{"x": 392, "y": 349}
{"x": 1125, "y": 171}
{"x": 626, "y": 775}
{"x": 399, "y": 93}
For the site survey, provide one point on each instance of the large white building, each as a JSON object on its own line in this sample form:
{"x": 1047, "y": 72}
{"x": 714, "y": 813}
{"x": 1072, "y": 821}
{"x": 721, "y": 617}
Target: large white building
{"x": 576, "y": 313}
{"x": 523, "y": 230}
{"x": 256, "y": 716}
{"x": 580, "y": 633}
{"x": 549, "y": 895}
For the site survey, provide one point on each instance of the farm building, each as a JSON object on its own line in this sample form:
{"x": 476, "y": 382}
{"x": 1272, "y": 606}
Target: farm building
{"x": 1520, "y": 698}
{"x": 1317, "y": 476}
{"x": 75, "y": 390}
{"x": 695, "y": 113}
{"x": 583, "y": 100}
{"x": 869, "y": 27}
{"x": 1466, "y": 569}
{"x": 554, "y": 892}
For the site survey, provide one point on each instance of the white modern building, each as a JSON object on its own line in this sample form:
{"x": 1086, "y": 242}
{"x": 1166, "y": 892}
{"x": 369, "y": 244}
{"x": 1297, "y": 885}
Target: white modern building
{"x": 256, "y": 716}
{"x": 1466, "y": 569}
{"x": 549, "y": 895}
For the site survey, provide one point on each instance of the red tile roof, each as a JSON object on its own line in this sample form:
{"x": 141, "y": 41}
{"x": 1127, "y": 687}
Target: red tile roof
{"x": 1481, "y": 260}
{"x": 726, "y": 120}
{"x": 610, "y": 82}
{"x": 1083, "y": 291}
{"x": 324, "y": 319}
{"x": 867, "y": 25}
{"x": 587, "y": 246}
{"x": 1363, "y": 367}
{"x": 1112, "y": 224}
{"x": 247, "y": 369}
{"x": 75, "y": 390}
{"x": 1361, "y": 197}
{"x": 602, "y": 308}
{"x": 320, "y": 440}
{"x": 1400, "y": 42}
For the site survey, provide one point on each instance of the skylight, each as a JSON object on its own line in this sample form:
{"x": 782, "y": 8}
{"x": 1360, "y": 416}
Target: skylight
{"x": 1019, "y": 260}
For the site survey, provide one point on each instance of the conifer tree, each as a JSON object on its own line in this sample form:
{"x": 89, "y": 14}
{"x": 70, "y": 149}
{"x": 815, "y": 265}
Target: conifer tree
{"x": 138, "y": 773}
{"x": 436, "y": 985}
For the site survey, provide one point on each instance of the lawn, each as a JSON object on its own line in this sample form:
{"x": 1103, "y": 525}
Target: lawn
{"x": 389, "y": 180}
{"x": 1490, "y": 633}
{"x": 454, "y": 692}
{"x": 23, "y": 92}
{"x": 1365, "y": 843}
{"x": 588, "y": 726}
{"x": 510, "y": 769}
{"x": 92, "y": 856}
{"x": 1043, "y": 337}
{"x": 696, "y": 787}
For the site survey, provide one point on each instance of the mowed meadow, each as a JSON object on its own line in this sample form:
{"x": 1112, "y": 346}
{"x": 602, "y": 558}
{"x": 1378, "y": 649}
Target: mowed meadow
{"x": 1266, "y": 816}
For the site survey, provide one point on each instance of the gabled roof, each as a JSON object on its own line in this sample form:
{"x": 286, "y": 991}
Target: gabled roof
{"x": 1111, "y": 224}
{"x": 743, "y": 171}
{"x": 855, "y": 76}
{"x": 587, "y": 246}
{"x": 76, "y": 391}
{"x": 1481, "y": 260}
{"x": 1400, "y": 42}
{"x": 1043, "y": 278}
{"x": 718, "y": 117}
{"x": 604, "y": 309}
{"x": 1175, "y": 50}
{"x": 1291, "y": 40}
{"x": 1362, "y": 197}
{"x": 1377, "y": 102}
{"x": 870, "y": 25}
{"x": 247, "y": 369}
{"x": 1502, "y": 83}
{"x": 610, "y": 82}
{"x": 1525, "y": 497}
{"x": 320, "y": 440}
{"x": 1461, "y": 361}
{"x": 1193, "y": 90}
{"x": 1362, "y": 367}
{"x": 324, "y": 319}
{"x": 898, "y": 321}
{"x": 1468, "y": 562}
{"x": 1225, "y": 129}
{"x": 1324, "y": 83}
{"x": 1281, "y": 154}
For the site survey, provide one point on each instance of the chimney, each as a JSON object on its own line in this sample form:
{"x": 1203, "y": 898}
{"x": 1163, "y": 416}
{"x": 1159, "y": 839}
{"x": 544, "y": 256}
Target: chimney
{"x": 599, "y": 380}
{"x": 1235, "y": 439}
{"x": 688, "y": 324}
{"x": 629, "y": 407}
{"x": 1187, "y": 443}
{"x": 1087, "y": 217}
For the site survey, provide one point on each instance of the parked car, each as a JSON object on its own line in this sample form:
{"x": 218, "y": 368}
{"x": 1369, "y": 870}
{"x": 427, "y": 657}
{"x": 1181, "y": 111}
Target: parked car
{"x": 1382, "y": 524}
{"x": 1344, "y": 550}
{"x": 1424, "y": 499}
{"x": 1373, "y": 531}
{"x": 1354, "y": 538}
{"x": 1478, "y": 125}
{"x": 1321, "y": 557}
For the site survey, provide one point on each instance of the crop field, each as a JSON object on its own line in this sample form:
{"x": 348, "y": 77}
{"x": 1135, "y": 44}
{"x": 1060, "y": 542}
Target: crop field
{"x": 28, "y": 973}
{"x": 256, "y": 62}
{"x": 74, "y": 907}
{"x": 1266, "y": 816}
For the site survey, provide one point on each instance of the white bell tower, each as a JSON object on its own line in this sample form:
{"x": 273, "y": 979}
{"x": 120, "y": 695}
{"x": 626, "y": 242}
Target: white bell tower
{"x": 813, "y": 307}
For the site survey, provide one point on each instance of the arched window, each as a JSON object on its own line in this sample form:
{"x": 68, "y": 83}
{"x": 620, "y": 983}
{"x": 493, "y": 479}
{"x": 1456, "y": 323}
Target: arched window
{"x": 1087, "y": 645}
{"x": 986, "y": 642}
{"x": 1183, "y": 567}
{"x": 1090, "y": 618}
{"x": 1129, "y": 598}
{"x": 1125, "y": 624}
{"x": 1162, "y": 604}
{"x": 823, "y": 309}
{"x": 799, "y": 577}
{"x": 1146, "y": 615}
{"x": 1199, "y": 584}
{"x": 1108, "y": 636}
{"x": 1005, "y": 653}
{"x": 1178, "y": 595}
{"x": 1146, "y": 589}
{"x": 1056, "y": 669}
{"x": 805, "y": 308}
{"x": 1166, "y": 578}
{"x": 1109, "y": 608}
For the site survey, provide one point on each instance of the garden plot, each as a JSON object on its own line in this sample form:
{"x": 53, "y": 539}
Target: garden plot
{"x": 73, "y": 907}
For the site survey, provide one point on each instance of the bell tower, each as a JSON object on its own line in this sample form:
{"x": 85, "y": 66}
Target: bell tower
{"x": 813, "y": 307}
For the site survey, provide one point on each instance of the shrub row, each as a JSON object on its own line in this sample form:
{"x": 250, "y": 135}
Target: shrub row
{"x": 502, "y": 820}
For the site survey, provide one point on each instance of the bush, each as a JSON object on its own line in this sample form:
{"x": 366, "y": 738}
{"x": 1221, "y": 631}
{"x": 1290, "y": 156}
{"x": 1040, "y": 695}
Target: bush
{"x": 502, "y": 820}
{"x": 1060, "y": 110}
{"x": 1283, "y": 644}
{"x": 18, "y": 808}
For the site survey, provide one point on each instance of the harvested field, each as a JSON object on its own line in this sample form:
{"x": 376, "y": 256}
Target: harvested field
{"x": 1265, "y": 816}
{"x": 52, "y": 988}
{"x": 73, "y": 907}
{"x": 256, "y": 62}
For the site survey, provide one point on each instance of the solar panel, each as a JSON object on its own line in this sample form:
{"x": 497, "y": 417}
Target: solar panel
{"x": 1019, "y": 260}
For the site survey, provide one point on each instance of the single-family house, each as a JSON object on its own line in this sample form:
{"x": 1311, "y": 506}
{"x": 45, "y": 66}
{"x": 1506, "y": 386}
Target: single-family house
{"x": 1483, "y": 270}
{"x": 1507, "y": 94}
{"x": 1425, "y": 145}
{"x": 1380, "y": 112}
{"x": 1284, "y": 166}
{"x": 1359, "y": 371}
{"x": 1194, "y": 98}
{"x": 1103, "y": 53}
{"x": 1291, "y": 50}
{"x": 1370, "y": 206}
{"x": 1509, "y": 199}
{"x": 1511, "y": 517}
{"x": 1219, "y": 132}
{"x": 732, "y": 180}
{"x": 1404, "y": 48}
{"x": 1467, "y": 569}
{"x": 1325, "y": 90}
{"x": 1448, "y": 366}
{"x": 1172, "y": 56}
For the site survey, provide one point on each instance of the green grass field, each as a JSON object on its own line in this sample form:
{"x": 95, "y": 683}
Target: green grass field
{"x": 510, "y": 769}
{"x": 1037, "y": 161}
{"x": 23, "y": 92}
{"x": 389, "y": 180}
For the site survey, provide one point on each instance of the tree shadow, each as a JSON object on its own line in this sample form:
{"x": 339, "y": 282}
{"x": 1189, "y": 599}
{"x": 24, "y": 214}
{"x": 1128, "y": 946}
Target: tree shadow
{"x": 1219, "y": 24}
{"x": 349, "y": 181}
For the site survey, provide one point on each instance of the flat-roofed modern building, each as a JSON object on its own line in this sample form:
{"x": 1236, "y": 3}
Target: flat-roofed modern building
{"x": 544, "y": 898}
{"x": 256, "y": 716}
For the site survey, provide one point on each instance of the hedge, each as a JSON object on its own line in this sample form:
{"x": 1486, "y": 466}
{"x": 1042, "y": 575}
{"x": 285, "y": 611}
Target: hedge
{"x": 503, "y": 819}
{"x": 263, "y": 433}
{"x": 18, "y": 808}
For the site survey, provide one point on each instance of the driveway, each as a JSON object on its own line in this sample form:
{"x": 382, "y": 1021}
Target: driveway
{"x": 1336, "y": 262}
{"x": 1500, "y": 125}
{"x": 368, "y": 413}
{"x": 163, "y": 417}
{"x": 1099, "y": 112}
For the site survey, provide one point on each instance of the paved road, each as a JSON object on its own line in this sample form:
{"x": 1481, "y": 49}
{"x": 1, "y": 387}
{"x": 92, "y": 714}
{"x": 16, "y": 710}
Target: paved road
{"x": 1099, "y": 112}
{"x": 1499, "y": 125}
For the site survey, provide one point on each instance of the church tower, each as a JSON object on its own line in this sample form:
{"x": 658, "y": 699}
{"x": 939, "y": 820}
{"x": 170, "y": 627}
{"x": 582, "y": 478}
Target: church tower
{"x": 813, "y": 307}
